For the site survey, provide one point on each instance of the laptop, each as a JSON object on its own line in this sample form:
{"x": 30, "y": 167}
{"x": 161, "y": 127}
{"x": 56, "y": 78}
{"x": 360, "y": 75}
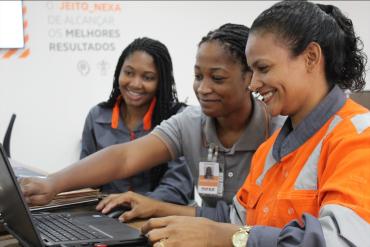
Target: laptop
{"x": 57, "y": 229}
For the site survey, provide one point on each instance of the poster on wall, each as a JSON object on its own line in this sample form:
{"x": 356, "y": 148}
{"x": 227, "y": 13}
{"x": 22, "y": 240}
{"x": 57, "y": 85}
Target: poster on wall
{"x": 11, "y": 24}
{"x": 64, "y": 67}
{"x": 75, "y": 27}
{"x": 65, "y": 30}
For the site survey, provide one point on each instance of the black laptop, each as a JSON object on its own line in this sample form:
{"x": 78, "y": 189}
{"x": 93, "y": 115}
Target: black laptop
{"x": 57, "y": 229}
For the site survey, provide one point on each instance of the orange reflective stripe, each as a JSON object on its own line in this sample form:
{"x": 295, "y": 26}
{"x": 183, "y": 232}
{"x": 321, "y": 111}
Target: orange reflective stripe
{"x": 115, "y": 113}
{"x": 148, "y": 115}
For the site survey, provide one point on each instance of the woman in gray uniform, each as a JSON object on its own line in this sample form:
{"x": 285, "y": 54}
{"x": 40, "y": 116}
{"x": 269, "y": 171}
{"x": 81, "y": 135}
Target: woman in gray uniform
{"x": 220, "y": 136}
{"x": 143, "y": 95}
{"x": 223, "y": 132}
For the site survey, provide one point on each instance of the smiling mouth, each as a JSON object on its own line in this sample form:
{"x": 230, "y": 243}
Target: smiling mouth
{"x": 134, "y": 94}
{"x": 266, "y": 96}
{"x": 208, "y": 100}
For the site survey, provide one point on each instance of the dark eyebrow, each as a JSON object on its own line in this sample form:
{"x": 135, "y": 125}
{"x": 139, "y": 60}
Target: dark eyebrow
{"x": 254, "y": 64}
{"x": 132, "y": 68}
{"x": 127, "y": 66}
{"x": 217, "y": 69}
{"x": 150, "y": 72}
{"x": 213, "y": 69}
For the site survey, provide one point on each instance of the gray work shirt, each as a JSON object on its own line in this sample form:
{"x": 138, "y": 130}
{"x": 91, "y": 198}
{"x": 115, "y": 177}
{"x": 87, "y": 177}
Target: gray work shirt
{"x": 189, "y": 134}
{"x": 176, "y": 184}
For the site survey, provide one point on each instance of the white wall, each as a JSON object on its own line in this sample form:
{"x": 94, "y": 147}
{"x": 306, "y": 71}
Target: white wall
{"x": 51, "y": 91}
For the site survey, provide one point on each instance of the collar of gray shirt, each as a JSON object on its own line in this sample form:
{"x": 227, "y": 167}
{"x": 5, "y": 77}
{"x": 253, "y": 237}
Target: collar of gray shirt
{"x": 253, "y": 135}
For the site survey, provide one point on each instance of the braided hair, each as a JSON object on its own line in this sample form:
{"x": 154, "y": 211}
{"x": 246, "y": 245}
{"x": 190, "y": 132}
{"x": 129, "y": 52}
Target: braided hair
{"x": 166, "y": 94}
{"x": 298, "y": 23}
{"x": 233, "y": 37}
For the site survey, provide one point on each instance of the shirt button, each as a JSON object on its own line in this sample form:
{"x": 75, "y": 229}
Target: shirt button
{"x": 266, "y": 210}
{"x": 285, "y": 174}
{"x": 230, "y": 174}
{"x": 290, "y": 211}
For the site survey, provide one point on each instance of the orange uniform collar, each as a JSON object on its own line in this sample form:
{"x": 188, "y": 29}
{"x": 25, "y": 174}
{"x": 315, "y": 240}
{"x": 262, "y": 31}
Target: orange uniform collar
{"x": 147, "y": 120}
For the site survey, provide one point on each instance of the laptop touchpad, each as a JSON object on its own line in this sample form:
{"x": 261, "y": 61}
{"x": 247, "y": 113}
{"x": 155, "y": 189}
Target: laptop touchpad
{"x": 109, "y": 226}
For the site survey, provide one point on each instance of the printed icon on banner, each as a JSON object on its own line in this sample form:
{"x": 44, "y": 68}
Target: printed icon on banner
{"x": 103, "y": 67}
{"x": 83, "y": 67}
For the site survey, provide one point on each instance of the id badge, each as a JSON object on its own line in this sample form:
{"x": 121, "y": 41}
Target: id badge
{"x": 210, "y": 182}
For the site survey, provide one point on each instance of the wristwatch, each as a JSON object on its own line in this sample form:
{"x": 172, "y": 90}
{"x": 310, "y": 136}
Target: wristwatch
{"x": 240, "y": 238}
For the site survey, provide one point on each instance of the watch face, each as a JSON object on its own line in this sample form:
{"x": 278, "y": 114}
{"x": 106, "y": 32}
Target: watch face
{"x": 240, "y": 239}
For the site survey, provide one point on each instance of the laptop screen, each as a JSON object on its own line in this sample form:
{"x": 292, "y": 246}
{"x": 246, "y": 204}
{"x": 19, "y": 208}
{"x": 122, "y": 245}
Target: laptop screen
{"x": 13, "y": 209}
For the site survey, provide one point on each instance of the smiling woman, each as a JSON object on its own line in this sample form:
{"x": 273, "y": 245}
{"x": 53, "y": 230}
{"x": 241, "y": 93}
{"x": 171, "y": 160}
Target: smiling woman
{"x": 278, "y": 77}
{"x": 225, "y": 131}
{"x": 309, "y": 182}
{"x": 143, "y": 95}
{"x": 218, "y": 81}
{"x": 138, "y": 83}
{"x": 311, "y": 178}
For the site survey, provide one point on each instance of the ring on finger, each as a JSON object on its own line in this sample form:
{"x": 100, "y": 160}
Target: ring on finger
{"x": 161, "y": 242}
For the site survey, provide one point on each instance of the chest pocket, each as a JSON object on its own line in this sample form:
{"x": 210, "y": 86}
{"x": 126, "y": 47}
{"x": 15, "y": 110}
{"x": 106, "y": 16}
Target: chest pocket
{"x": 254, "y": 196}
{"x": 291, "y": 206}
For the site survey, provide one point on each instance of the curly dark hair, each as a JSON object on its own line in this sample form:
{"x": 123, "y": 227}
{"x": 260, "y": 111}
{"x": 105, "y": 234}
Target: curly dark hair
{"x": 300, "y": 22}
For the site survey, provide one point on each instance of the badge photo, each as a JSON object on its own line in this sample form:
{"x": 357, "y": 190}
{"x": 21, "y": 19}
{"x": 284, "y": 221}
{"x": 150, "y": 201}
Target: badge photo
{"x": 208, "y": 177}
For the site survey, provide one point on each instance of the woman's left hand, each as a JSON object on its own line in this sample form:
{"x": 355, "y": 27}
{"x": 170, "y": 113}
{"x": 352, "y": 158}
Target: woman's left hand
{"x": 178, "y": 231}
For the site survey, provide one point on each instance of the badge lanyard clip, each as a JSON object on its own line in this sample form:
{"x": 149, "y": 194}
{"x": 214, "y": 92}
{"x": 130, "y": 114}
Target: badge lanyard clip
{"x": 212, "y": 153}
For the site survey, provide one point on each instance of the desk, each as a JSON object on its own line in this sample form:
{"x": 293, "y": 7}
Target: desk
{"x": 7, "y": 240}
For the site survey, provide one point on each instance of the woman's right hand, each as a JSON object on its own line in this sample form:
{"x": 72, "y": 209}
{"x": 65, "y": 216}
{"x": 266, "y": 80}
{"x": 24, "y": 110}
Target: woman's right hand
{"x": 141, "y": 206}
{"x": 37, "y": 191}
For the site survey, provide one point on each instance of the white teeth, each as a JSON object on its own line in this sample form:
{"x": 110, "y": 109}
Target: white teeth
{"x": 134, "y": 93}
{"x": 267, "y": 96}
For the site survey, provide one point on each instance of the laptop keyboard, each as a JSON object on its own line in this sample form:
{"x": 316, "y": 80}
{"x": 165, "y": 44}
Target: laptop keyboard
{"x": 59, "y": 227}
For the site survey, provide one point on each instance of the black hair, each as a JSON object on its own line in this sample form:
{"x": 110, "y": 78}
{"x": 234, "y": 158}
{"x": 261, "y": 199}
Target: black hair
{"x": 298, "y": 23}
{"x": 166, "y": 94}
{"x": 234, "y": 39}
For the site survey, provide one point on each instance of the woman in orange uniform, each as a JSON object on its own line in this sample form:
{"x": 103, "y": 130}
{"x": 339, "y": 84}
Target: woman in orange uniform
{"x": 309, "y": 184}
